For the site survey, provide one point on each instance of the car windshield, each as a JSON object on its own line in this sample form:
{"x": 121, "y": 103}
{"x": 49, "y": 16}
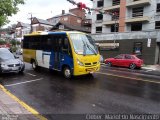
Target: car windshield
{"x": 83, "y": 44}
{"x": 5, "y": 55}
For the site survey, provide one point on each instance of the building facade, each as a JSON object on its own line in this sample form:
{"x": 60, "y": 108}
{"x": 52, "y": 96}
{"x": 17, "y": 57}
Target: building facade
{"x": 128, "y": 26}
{"x": 40, "y": 25}
{"x": 75, "y": 17}
{"x": 20, "y": 30}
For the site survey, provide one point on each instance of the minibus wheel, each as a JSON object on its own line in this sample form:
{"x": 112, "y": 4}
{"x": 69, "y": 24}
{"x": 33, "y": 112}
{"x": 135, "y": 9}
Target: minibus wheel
{"x": 34, "y": 65}
{"x": 67, "y": 72}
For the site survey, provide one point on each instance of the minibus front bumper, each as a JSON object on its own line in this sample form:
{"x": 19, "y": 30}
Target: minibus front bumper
{"x": 82, "y": 70}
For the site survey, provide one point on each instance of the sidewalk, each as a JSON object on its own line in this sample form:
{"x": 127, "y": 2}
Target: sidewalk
{"x": 151, "y": 67}
{"x": 10, "y": 108}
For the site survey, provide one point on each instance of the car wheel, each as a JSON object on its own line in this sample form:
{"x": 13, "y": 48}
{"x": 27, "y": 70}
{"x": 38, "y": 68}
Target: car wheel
{"x": 132, "y": 66}
{"x": 67, "y": 72}
{"x": 21, "y": 71}
{"x": 109, "y": 64}
{"x": 34, "y": 65}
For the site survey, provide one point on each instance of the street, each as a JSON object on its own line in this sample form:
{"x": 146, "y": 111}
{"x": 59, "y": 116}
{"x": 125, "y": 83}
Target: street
{"x": 112, "y": 90}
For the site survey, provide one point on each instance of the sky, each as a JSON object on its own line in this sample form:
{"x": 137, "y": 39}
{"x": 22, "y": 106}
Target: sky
{"x": 43, "y": 9}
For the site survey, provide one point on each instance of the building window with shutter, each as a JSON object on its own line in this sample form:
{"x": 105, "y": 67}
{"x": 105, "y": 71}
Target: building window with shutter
{"x": 100, "y": 3}
{"x": 157, "y": 25}
{"x": 158, "y": 7}
{"x": 99, "y": 29}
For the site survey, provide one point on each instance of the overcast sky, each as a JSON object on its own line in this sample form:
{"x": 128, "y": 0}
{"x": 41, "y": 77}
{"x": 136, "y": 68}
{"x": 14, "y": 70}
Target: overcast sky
{"x": 43, "y": 9}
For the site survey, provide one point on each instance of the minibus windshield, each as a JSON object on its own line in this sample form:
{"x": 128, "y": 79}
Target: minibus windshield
{"x": 83, "y": 44}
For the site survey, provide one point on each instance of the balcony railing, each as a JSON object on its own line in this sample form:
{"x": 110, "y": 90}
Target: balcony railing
{"x": 111, "y": 8}
{"x": 138, "y": 3}
{"x": 138, "y": 19}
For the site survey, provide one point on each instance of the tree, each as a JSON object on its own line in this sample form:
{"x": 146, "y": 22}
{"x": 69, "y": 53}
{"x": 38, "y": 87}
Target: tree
{"x": 2, "y": 42}
{"x": 8, "y": 8}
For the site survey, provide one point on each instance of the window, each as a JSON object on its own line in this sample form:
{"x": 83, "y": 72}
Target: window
{"x": 158, "y": 7}
{"x": 137, "y": 48}
{"x": 136, "y": 12}
{"x": 100, "y": 3}
{"x": 157, "y": 25}
{"x": 128, "y": 57}
{"x": 114, "y": 28}
{"x": 65, "y": 18}
{"x": 136, "y": 26}
{"x": 116, "y": 14}
{"x": 99, "y": 17}
{"x": 32, "y": 42}
{"x": 119, "y": 57}
{"x": 115, "y": 2}
{"x": 78, "y": 21}
{"x": 46, "y": 42}
{"x": 98, "y": 29}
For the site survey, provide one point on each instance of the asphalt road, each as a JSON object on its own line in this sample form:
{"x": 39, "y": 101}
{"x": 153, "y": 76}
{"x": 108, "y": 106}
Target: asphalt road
{"x": 109, "y": 91}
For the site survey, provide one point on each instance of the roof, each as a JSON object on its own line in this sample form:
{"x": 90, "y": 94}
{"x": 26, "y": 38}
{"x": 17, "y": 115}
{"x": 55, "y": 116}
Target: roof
{"x": 71, "y": 27}
{"x": 22, "y": 24}
{"x": 43, "y": 21}
{"x": 64, "y": 15}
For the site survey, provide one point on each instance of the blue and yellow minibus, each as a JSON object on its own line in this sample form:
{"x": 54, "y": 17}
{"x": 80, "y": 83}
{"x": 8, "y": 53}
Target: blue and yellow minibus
{"x": 73, "y": 53}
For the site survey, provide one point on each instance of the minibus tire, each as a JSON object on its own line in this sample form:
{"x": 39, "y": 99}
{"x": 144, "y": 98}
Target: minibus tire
{"x": 67, "y": 72}
{"x": 34, "y": 65}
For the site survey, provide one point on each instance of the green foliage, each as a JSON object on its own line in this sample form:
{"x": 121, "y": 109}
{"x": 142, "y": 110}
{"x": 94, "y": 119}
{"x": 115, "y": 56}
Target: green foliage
{"x": 3, "y": 20}
{"x": 13, "y": 42}
{"x": 2, "y": 42}
{"x": 18, "y": 43}
{"x": 8, "y": 8}
{"x": 13, "y": 48}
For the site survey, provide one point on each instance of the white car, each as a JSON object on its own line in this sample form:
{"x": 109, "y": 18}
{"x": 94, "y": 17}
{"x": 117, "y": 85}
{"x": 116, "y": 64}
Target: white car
{"x": 9, "y": 63}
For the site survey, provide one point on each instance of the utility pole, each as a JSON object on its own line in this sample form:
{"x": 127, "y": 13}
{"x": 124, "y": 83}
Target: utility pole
{"x": 31, "y": 22}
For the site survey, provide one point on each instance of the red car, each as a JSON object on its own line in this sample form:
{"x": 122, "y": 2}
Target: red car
{"x": 125, "y": 60}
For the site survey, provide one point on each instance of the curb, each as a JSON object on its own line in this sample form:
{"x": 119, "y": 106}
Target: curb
{"x": 23, "y": 104}
{"x": 145, "y": 70}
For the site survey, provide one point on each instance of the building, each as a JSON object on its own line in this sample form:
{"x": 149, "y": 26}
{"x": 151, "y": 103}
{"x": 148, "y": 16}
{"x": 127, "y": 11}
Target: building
{"x": 128, "y": 26}
{"x": 40, "y": 25}
{"x": 20, "y": 30}
{"x": 75, "y": 17}
{"x": 69, "y": 27}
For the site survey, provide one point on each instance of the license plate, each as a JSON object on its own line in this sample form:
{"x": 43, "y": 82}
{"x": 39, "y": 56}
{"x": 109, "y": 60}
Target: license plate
{"x": 91, "y": 70}
{"x": 15, "y": 68}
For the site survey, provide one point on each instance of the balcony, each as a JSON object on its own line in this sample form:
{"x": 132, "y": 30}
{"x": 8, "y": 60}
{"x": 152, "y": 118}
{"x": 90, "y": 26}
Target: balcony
{"x": 138, "y": 3}
{"x": 109, "y": 22}
{"x": 112, "y": 8}
{"x": 138, "y": 19}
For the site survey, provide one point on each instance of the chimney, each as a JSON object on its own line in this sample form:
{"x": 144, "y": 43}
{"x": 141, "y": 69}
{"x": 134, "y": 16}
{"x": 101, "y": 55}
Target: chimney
{"x": 63, "y": 12}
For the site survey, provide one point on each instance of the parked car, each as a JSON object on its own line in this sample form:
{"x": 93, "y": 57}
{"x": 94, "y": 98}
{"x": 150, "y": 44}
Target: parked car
{"x": 9, "y": 63}
{"x": 125, "y": 60}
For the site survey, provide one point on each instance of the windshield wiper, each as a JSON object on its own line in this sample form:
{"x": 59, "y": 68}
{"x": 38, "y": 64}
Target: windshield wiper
{"x": 91, "y": 49}
{"x": 84, "y": 48}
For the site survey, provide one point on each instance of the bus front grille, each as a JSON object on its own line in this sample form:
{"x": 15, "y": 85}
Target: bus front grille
{"x": 90, "y": 64}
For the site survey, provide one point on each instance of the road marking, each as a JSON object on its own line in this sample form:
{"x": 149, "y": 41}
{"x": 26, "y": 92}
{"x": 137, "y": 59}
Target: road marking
{"x": 24, "y": 82}
{"x": 129, "y": 77}
{"x": 23, "y": 104}
{"x": 31, "y": 74}
{"x": 148, "y": 70}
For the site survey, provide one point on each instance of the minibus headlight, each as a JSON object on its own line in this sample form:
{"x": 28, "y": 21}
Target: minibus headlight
{"x": 80, "y": 63}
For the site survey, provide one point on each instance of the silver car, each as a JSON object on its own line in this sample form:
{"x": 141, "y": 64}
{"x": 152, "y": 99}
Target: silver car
{"x": 9, "y": 63}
